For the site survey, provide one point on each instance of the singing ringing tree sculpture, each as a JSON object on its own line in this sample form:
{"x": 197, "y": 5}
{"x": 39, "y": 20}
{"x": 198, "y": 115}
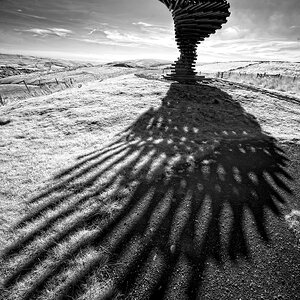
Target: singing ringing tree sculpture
{"x": 194, "y": 20}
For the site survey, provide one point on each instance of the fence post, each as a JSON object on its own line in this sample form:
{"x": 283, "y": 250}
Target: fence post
{"x": 26, "y": 86}
{"x": 1, "y": 100}
{"x": 56, "y": 81}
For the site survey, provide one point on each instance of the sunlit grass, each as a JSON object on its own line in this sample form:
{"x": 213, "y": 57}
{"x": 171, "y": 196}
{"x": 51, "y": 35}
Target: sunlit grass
{"x": 99, "y": 217}
{"x": 287, "y": 84}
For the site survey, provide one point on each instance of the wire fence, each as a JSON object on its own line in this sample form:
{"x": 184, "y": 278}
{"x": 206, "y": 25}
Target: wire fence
{"x": 36, "y": 88}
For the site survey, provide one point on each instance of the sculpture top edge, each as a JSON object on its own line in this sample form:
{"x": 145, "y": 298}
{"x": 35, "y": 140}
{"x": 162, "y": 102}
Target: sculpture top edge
{"x": 191, "y": 1}
{"x": 172, "y": 4}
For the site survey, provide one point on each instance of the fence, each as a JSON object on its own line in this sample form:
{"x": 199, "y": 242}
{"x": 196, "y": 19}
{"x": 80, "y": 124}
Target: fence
{"x": 257, "y": 75}
{"x": 280, "y": 82}
{"x": 36, "y": 88}
{"x": 2, "y": 101}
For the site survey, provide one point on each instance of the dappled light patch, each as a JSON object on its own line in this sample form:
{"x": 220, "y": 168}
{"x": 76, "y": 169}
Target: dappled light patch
{"x": 293, "y": 220}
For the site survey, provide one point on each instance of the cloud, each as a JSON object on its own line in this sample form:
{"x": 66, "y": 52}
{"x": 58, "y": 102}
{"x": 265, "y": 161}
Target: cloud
{"x": 20, "y": 12}
{"x": 250, "y": 49}
{"x": 96, "y": 32}
{"x": 150, "y": 39}
{"x": 269, "y": 18}
{"x": 37, "y": 31}
{"x": 233, "y": 32}
{"x": 256, "y": 29}
{"x": 141, "y": 35}
{"x": 105, "y": 42}
{"x": 60, "y": 32}
{"x": 92, "y": 31}
{"x": 32, "y": 16}
{"x": 152, "y": 28}
{"x": 143, "y": 24}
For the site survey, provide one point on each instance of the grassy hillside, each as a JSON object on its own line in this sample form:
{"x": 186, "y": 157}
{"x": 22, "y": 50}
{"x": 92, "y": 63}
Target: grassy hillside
{"x": 279, "y": 76}
{"x": 25, "y": 76}
{"x": 131, "y": 187}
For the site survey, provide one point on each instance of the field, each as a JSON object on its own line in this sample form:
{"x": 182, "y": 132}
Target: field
{"x": 280, "y": 76}
{"x": 22, "y": 78}
{"x": 122, "y": 185}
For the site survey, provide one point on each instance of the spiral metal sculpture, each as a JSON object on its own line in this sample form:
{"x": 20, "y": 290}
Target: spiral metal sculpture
{"x": 194, "y": 20}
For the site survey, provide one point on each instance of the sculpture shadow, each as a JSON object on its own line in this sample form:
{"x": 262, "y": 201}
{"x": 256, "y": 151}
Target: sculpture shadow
{"x": 143, "y": 216}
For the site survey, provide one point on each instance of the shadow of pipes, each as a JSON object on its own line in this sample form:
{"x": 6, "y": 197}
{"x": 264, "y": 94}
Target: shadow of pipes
{"x": 143, "y": 216}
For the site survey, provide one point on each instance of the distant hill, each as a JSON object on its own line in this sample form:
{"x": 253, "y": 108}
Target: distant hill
{"x": 252, "y": 67}
{"x": 28, "y": 64}
{"x": 141, "y": 63}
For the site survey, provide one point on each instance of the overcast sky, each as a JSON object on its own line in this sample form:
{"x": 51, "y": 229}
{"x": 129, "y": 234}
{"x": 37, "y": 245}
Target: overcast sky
{"x": 126, "y": 29}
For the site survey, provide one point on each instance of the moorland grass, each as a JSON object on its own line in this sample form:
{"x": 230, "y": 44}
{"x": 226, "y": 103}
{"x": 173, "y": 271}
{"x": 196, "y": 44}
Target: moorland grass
{"x": 123, "y": 219}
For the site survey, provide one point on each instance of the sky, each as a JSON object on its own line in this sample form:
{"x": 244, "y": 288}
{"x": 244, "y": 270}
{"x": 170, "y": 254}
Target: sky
{"x": 109, "y": 30}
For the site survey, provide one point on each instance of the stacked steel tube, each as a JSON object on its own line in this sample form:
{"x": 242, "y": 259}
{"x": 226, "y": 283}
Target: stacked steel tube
{"x": 194, "y": 20}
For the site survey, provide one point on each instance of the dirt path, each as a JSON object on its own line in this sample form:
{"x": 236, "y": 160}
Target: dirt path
{"x": 188, "y": 202}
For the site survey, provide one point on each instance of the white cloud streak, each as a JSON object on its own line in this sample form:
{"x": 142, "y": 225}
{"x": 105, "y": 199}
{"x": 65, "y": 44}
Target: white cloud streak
{"x": 92, "y": 31}
{"x": 143, "y": 24}
{"x": 60, "y": 32}
{"x": 142, "y": 35}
